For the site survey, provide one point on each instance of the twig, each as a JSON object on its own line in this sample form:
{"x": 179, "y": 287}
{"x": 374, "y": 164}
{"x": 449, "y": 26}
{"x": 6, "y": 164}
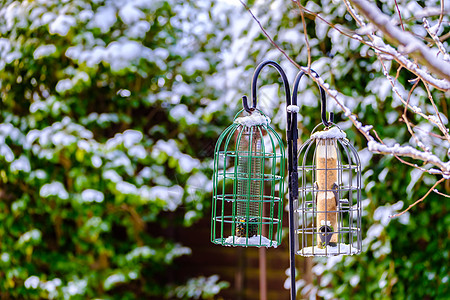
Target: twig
{"x": 354, "y": 14}
{"x": 440, "y": 125}
{"x": 436, "y": 40}
{"x": 308, "y": 48}
{"x": 268, "y": 36}
{"x": 441, "y": 16}
{"x": 415, "y": 48}
{"x": 427, "y": 12}
{"x": 372, "y": 37}
{"x": 442, "y": 194}
{"x": 409, "y": 95}
{"x": 406, "y": 162}
{"x": 408, "y": 124}
{"x": 418, "y": 142}
{"x": 398, "y": 72}
{"x": 444, "y": 37}
{"x": 441, "y": 84}
{"x": 418, "y": 201}
{"x": 373, "y": 146}
{"x": 395, "y": 90}
{"x": 429, "y": 133}
{"x": 399, "y": 14}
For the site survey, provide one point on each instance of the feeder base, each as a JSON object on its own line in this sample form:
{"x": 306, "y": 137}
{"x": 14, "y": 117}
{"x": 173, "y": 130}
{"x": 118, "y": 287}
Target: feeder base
{"x": 254, "y": 241}
{"x": 339, "y": 249}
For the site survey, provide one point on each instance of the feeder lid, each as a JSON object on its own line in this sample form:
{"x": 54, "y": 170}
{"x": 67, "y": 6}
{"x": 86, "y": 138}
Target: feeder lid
{"x": 256, "y": 118}
{"x": 332, "y": 133}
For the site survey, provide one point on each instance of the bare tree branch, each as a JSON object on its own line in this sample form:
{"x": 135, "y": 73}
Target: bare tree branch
{"x": 418, "y": 201}
{"x": 441, "y": 15}
{"x": 268, "y": 36}
{"x": 410, "y": 44}
{"x": 399, "y": 15}
{"x": 431, "y": 171}
{"x": 437, "y": 120}
{"x": 305, "y": 32}
{"x": 373, "y": 145}
{"x": 442, "y": 194}
{"x": 436, "y": 40}
{"x": 378, "y": 44}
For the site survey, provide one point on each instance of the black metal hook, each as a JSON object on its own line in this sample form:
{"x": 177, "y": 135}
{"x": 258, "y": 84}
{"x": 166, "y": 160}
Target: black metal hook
{"x": 255, "y": 81}
{"x": 322, "y": 96}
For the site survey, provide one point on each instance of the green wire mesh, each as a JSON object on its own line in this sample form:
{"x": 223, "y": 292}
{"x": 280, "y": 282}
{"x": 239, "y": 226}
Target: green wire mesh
{"x": 248, "y": 185}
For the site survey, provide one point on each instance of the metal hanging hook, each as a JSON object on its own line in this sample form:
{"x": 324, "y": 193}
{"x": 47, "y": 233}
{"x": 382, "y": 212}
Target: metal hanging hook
{"x": 255, "y": 81}
{"x": 322, "y": 96}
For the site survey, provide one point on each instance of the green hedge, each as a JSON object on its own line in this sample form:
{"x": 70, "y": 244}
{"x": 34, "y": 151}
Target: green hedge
{"x": 101, "y": 123}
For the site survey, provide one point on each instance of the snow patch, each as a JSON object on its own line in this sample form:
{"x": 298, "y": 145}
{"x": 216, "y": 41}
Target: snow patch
{"x": 256, "y": 240}
{"x": 137, "y": 151}
{"x": 130, "y": 14}
{"x": 416, "y": 109}
{"x": 293, "y": 108}
{"x": 90, "y": 195}
{"x": 43, "y": 51}
{"x": 55, "y": 188}
{"x": 21, "y": 164}
{"x": 138, "y": 30}
{"x": 131, "y": 137}
{"x": 32, "y": 282}
{"x": 104, "y": 19}
{"x": 332, "y": 133}
{"x": 318, "y": 269}
{"x": 253, "y": 120}
{"x": 354, "y": 280}
{"x": 126, "y": 188}
{"x": 181, "y": 111}
{"x": 112, "y": 175}
{"x": 118, "y": 54}
{"x": 171, "y": 195}
{"x": 123, "y": 93}
{"x": 6, "y": 152}
{"x": 340, "y": 249}
{"x": 62, "y": 24}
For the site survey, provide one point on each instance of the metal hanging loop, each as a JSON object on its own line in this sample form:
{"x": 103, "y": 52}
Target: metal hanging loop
{"x": 322, "y": 97}
{"x": 255, "y": 81}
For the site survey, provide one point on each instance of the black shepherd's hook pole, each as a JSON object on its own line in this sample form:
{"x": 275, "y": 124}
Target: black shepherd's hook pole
{"x": 292, "y": 137}
{"x": 291, "y": 150}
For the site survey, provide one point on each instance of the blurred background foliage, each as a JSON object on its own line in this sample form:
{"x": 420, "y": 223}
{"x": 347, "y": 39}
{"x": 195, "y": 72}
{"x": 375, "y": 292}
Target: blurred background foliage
{"x": 109, "y": 114}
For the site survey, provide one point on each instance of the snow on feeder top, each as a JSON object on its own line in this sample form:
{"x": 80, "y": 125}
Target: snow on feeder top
{"x": 248, "y": 180}
{"x": 329, "y": 213}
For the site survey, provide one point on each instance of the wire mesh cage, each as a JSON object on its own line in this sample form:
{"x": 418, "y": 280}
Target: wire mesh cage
{"x": 248, "y": 180}
{"x": 329, "y": 211}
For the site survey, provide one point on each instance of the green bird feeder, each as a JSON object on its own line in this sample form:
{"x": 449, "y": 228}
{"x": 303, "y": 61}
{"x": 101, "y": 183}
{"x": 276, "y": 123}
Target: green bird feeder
{"x": 248, "y": 181}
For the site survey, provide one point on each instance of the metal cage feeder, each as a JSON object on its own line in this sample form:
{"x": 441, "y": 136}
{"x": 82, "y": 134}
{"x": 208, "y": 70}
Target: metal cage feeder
{"x": 248, "y": 181}
{"x": 329, "y": 210}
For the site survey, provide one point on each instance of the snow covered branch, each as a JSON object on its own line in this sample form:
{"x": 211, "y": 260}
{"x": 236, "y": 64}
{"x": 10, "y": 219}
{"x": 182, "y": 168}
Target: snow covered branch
{"x": 380, "y": 148}
{"x": 409, "y": 151}
{"x": 432, "y": 33}
{"x": 420, "y": 200}
{"x": 380, "y": 47}
{"x": 407, "y": 41}
{"x": 373, "y": 145}
{"x": 412, "y": 55}
{"x": 377, "y": 147}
